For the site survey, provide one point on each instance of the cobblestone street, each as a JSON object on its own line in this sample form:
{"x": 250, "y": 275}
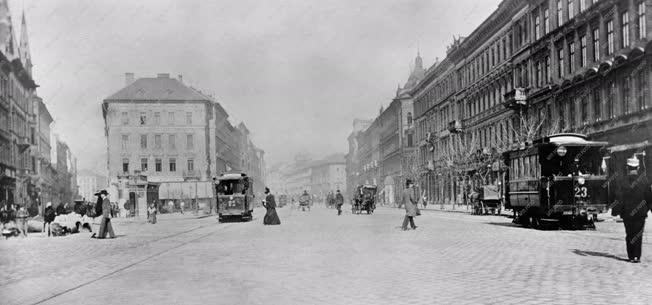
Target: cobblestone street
{"x": 318, "y": 258}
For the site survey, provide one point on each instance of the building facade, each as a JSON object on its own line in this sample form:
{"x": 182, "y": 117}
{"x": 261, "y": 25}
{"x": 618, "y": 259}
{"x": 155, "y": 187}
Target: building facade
{"x": 90, "y": 183}
{"x": 167, "y": 140}
{"x": 17, "y": 122}
{"x": 382, "y": 151}
{"x": 328, "y": 175}
{"x": 532, "y": 68}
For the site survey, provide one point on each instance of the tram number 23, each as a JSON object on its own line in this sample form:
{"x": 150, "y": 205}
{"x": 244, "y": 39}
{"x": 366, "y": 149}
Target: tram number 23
{"x": 581, "y": 192}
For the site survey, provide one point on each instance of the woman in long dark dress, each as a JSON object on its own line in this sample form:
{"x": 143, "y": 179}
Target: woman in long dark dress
{"x": 271, "y": 218}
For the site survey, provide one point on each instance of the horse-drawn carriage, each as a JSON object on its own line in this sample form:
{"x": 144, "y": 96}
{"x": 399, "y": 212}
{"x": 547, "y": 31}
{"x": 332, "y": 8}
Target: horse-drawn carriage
{"x": 365, "y": 199}
{"x": 486, "y": 199}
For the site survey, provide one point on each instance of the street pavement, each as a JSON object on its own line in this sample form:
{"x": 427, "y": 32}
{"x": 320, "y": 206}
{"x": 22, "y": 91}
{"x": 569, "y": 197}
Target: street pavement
{"x": 317, "y": 257}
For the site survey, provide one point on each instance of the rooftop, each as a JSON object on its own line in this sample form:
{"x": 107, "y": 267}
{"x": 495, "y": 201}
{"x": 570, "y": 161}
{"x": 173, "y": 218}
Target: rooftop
{"x": 161, "y": 88}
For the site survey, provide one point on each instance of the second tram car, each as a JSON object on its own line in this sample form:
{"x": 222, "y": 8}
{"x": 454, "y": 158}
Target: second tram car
{"x": 561, "y": 177}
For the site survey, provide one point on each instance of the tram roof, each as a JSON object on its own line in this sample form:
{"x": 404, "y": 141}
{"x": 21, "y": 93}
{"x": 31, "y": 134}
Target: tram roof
{"x": 232, "y": 176}
{"x": 572, "y": 139}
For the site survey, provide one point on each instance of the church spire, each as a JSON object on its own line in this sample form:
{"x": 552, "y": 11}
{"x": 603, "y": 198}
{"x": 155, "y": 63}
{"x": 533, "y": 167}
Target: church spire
{"x": 25, "y": 55}
{"x": 418, "y": 62}
{"x": 7, "y": 40}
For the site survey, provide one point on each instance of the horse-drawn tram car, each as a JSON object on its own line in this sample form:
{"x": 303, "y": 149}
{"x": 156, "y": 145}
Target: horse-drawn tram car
{"x": 560, "y": 178}
{"x": 235, "y": 197}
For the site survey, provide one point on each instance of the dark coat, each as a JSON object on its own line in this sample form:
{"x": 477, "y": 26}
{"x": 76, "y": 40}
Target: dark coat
{"x": 339, "y": 199}
{"x": 270, "y": 202}
{"x": 633, "y": 199}
{"x": 409, "y": 202}
{"x": 49, "y": 214}
{"x": 106, "y": 208}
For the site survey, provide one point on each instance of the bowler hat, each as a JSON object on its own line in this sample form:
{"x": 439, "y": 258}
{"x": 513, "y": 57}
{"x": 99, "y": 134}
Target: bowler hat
{"x": 104, "y": 192}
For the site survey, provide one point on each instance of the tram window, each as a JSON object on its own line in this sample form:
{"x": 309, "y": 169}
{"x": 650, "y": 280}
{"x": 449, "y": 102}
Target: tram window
{"x": 526, "y": 167}
{"x": 230, "y": 187}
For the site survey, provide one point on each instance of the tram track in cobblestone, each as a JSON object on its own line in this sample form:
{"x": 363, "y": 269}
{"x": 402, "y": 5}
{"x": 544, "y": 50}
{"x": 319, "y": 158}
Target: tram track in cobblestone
{"x": 133, "y": 264}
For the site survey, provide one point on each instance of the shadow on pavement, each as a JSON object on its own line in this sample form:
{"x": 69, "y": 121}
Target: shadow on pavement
{"x": 600, "y": 254}
{"x": 506, "y": 224}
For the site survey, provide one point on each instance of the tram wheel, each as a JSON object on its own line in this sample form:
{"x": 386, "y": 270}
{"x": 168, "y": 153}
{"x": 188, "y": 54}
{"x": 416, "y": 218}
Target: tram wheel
{"x": 535, "y": 222}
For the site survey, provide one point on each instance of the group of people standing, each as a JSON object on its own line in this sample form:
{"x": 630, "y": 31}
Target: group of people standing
{"x": 14, "y": 216}
{"x": 335, "y": 200}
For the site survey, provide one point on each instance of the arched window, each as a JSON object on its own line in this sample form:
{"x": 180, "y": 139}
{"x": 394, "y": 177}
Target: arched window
{"x": 409, "y": 118}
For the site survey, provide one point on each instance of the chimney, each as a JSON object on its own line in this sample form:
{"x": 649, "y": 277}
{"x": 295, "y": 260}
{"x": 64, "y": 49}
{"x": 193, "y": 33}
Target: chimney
{"x": 163, "y": 75}
{"x": 129, "y": 78}
{"x": 181, "y": 78}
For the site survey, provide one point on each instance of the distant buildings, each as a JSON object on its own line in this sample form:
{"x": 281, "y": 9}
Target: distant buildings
{"x": 89, "y": 183}
{"x": 328, "y": 175}
{"x": 28, "y": 175}
{"x": 318, "y": 177}
{"x": 382, "y": 151}
{"x": 167, "y": 140}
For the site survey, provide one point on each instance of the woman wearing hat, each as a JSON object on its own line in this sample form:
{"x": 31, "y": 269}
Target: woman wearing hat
{"x": 271, "y": 217}
{"x": 633, "y": 201}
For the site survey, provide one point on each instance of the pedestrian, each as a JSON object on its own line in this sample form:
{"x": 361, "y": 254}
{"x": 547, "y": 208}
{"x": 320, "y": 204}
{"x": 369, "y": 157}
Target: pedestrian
{"x": 633, "y": 201}
{"x": 170, "y": 206}
{"x": 410, "y": 205}
{"x": 151, "y": 213}
{"x": 181, "y": 206}
{"x": 48, "y": 218}
{"x": 271, "y": 217}
{"x": 105, "y": 226}
{"x": 21, "y": 219}
{"x": 339, "y": 201}
{"x": 4, "y": 214}
{"x": 424, "y": 199}
{"x": 304, "y": 200}
{"x": 60, "y": 209}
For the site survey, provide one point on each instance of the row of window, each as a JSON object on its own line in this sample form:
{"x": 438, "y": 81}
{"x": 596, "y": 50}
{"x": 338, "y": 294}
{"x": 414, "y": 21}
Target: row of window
{"x": 158, "y": 165}
{"x": 622, "y": 97}
{"x": 158, "y": 141}
{"x": 143, "y": 120}
{"x": 524, "y": 167}
{"x": 11, "y": 88}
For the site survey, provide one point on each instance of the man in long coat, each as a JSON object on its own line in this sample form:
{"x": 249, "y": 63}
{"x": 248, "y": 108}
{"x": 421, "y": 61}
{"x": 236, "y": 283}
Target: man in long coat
{"x": 106, "y": 227}
{"x": 410, "y": 204}
{"x": 633, "y": 201}
{"x": 339, "y": 201}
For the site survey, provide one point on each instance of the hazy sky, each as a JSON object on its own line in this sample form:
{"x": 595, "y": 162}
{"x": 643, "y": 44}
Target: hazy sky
{"x": 297, "y": 72}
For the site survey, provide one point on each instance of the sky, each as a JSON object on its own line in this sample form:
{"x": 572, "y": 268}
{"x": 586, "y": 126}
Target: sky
{"x": 297, "y": 72}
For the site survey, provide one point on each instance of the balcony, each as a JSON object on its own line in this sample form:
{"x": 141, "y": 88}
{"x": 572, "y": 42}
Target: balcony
{"x": 23, "y": 143}
{"x": 455, "y": 126}
{"x": 516, "y": 99}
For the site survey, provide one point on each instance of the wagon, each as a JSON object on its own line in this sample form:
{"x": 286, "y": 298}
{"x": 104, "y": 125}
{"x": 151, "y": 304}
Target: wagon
{"x": 365, "y": 199}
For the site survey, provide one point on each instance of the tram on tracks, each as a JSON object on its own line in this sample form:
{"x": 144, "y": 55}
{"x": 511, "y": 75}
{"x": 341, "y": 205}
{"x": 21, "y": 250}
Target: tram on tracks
{"x": 561, "y": 177}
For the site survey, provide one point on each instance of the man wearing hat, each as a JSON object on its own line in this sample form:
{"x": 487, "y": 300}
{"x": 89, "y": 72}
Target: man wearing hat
{"x": 410, "y": 204}
{"x": 105, "y": 226}
{"x": 633, "y": 201}
{"x": 48, "y": 218}
{"x": 339, "y": 201}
